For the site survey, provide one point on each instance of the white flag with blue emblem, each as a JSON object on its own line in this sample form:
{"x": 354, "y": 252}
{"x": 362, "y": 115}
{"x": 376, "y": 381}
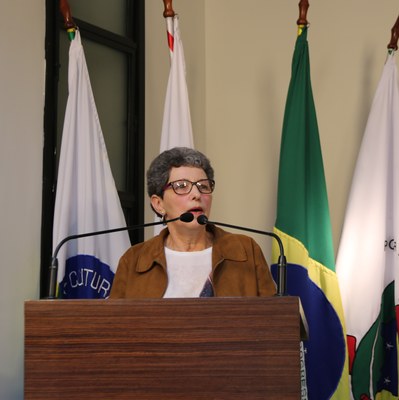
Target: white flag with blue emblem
{"x": 86, "y": 198}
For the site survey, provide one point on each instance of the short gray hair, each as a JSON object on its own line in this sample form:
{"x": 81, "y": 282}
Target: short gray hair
{"x": 158, "y": 173}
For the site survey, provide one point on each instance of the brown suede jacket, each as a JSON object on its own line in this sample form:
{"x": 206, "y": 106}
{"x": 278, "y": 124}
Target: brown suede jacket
{"x": 239, "y": 268}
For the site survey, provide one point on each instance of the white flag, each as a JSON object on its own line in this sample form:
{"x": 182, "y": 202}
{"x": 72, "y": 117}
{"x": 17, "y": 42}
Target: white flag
{"x": 368, "y": 257}
{"x": 86, "y": 198}
{"x": 176, "y": 126}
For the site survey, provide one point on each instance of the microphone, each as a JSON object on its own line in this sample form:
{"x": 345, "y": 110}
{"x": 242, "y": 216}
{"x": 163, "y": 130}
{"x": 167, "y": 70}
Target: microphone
{"x": 282, "y": 262}
{"x": 185, "y": 217}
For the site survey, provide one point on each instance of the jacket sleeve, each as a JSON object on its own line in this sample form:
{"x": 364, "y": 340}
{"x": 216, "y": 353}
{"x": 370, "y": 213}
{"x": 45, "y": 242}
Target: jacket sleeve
{"x": 118, "y": 289}
{"x": 266, "y": 284}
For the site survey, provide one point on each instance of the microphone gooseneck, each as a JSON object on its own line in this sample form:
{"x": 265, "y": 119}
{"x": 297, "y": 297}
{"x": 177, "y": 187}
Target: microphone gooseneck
{"x": 281, "y": 263}
{"x": 185, "y": 217}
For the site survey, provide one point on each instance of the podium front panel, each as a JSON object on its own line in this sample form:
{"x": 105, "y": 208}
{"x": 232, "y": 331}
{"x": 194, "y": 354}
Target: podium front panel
{"x": 206, "y": 348}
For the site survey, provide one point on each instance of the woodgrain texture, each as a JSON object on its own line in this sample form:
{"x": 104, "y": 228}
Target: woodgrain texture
{"x": 210, "y": 348}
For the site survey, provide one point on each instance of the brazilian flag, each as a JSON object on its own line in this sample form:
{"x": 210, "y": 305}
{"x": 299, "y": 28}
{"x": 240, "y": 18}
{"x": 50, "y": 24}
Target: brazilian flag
{"x": 303, "y": 223}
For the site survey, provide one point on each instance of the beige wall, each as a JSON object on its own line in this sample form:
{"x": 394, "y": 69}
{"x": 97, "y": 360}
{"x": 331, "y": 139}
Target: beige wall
{"x": 21, "y": 148}
{"x": 238, "y": 57}
{"x": 238, "y": 69}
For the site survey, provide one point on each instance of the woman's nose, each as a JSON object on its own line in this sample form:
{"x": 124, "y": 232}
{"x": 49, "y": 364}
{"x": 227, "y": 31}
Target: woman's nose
{"x": 195, "y": 193}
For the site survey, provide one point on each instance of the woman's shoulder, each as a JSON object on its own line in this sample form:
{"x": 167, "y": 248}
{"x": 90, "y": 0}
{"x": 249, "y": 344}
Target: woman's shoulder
{"x": 233, "y": 240}
{"x": 222, "y": 234}
{"x": 152, "y": 244}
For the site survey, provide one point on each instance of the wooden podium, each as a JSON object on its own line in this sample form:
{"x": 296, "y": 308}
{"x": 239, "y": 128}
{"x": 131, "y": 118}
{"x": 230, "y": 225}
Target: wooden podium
{"x": 206, "y": 348}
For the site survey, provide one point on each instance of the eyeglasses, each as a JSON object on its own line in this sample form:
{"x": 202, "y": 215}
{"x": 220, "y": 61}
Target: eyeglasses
{"x": 184, "y": 186}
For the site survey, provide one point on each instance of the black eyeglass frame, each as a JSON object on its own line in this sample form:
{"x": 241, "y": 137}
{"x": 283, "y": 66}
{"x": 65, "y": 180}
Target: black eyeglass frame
{"x": 197, "y": 184}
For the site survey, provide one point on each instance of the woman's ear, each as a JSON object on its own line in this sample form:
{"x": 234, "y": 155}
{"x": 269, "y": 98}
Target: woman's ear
{"x": 157, "y": 205}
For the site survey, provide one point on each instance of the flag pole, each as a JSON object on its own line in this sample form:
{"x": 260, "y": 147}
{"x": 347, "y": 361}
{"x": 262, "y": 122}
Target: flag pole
{"x": 169, "y": 14}
{"x": 303, "y": 9}
{"x": 302, "y": 21}
{"x": 393, "y": 44}
{"x": 168, "y": 11}
{"x": 69, "y": 23}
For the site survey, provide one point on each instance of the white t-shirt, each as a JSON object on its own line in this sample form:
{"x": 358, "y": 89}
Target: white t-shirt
{"x": 187, "y": 272}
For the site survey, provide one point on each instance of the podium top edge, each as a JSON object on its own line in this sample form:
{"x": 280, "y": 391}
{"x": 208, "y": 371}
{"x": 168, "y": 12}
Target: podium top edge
{"x": 255, "y": 299}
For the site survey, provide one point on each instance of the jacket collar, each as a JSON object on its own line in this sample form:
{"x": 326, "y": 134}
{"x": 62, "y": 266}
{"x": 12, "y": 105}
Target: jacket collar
{"x": 226, "y": 246}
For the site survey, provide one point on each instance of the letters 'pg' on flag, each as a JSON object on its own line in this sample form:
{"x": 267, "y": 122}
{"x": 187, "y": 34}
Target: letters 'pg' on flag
{"x": 368, "y": 256}
{"x": 303, "y": 223}
{"x": 86, "y": 198}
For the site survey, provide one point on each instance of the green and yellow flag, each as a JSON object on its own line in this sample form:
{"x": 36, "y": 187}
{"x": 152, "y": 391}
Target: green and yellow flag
{"x": 303, "y": 223}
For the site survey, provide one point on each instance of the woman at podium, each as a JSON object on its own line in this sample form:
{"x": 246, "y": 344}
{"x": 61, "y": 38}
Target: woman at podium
{"x": 189, "y": 258}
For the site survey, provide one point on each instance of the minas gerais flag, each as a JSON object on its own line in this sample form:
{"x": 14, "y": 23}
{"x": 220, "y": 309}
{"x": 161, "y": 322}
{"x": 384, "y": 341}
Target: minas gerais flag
{"x": 303, "y": 223}
{"x": 176, "y": 124}
{"x": 368, "y": 256}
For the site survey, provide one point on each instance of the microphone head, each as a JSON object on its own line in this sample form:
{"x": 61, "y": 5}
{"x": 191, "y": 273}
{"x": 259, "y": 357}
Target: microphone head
{"x": 186, "y": 217}
{"x": 202, "y": 219}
